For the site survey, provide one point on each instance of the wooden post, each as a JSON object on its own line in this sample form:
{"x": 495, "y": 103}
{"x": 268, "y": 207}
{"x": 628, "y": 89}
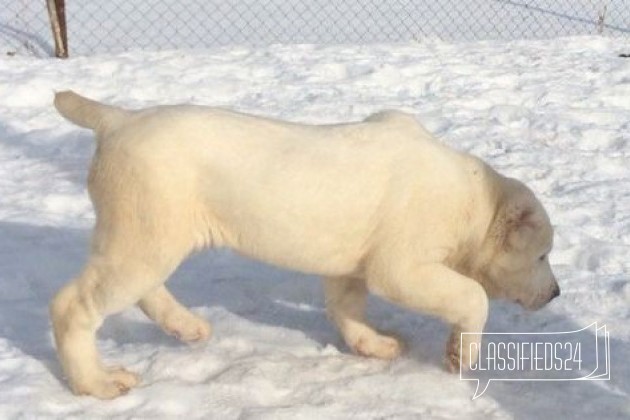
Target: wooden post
{"x": 601, "y": 18}
{"x": 57, "y": 15}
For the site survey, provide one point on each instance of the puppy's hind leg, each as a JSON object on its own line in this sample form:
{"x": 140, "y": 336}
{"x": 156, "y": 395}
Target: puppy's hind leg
{"x": 175, "y": 319}
{"x": 114, "y": 278}
{"x": 345, "y": 304}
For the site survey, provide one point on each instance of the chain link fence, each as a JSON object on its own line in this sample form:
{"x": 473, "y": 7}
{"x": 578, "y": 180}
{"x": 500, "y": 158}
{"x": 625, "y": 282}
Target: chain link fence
{"x": 121, "y": 25}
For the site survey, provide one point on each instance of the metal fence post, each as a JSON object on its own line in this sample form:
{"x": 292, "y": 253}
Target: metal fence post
{"x": 57, "y": 15}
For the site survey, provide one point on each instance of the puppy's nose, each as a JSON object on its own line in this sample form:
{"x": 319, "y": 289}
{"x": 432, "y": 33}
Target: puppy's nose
{"x": 556, "y": 292}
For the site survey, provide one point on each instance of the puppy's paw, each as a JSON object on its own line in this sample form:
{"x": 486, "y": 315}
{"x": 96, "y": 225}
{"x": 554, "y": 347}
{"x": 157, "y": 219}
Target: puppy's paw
{"x": 378, "y": 346}
{"x": 462, "y": 351}
{"x": 187, "y": 327}
{"x": 108, "y": 384}
{"x": 453, "y": 354}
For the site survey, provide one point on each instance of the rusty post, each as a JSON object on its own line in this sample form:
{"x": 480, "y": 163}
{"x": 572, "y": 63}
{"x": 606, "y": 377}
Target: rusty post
{"x": 57, "y": 15}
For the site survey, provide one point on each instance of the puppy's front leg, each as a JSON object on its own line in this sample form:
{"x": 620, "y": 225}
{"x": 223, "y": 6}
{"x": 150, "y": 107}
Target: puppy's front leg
{"x": 440, "y": 291}
{"x": 345, "y": 303}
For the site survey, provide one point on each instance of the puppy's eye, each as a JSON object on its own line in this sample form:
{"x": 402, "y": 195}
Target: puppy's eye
{"x": 542, "y": 257}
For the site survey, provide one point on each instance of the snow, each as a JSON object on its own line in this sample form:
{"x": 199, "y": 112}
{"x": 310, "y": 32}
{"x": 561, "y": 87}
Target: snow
{"x": 554, "y": 113}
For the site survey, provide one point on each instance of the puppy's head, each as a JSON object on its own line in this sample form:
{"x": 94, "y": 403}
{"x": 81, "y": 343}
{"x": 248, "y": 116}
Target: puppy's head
{"x": 520, "y": 240}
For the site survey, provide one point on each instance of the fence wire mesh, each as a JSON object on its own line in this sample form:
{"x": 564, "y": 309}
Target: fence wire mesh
{"x": 121, "y": 25}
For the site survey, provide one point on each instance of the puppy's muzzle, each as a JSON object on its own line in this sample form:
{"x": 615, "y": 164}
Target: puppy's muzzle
{"x": 554, "y": 293}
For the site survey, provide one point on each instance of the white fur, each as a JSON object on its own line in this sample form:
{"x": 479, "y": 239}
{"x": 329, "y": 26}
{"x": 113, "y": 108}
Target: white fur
{"x": 375, "y": 206}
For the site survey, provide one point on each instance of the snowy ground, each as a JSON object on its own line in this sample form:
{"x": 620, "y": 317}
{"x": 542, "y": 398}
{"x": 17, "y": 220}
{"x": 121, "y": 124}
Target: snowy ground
{"x": 555, "y": 114}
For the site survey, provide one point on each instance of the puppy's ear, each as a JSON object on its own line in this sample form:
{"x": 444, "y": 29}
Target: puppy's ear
{"x": 520, "y": 220}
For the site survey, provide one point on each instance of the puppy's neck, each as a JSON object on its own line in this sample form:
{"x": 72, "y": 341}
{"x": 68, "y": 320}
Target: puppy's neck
{"x": 476, "y": 249}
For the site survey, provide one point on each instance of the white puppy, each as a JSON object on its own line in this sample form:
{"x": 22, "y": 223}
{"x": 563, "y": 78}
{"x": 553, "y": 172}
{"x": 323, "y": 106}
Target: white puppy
{"x": 375, "y": 206}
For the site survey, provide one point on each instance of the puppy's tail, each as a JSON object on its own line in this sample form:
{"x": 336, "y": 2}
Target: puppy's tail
{"x": 88, "y": 113}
